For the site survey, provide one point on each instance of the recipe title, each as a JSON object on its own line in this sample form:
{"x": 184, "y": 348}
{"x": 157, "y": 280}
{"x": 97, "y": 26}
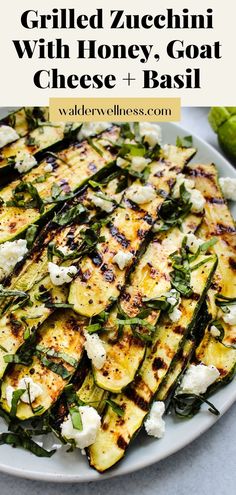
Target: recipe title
{"x": 150, "y": 57}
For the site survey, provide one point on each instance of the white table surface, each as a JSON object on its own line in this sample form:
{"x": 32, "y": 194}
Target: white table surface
{"x": 206, "y": 466}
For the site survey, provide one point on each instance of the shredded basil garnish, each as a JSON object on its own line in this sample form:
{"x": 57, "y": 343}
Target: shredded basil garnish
{"x": 76, "y": 213}
{"x": 185, "y": 142}
{"x": 19, "y": 200}
{"x": 186, "y": 405}
{"x": 31, "y": 235}
{"x": 62, "y": 355}
{"x": 15, "y": 399}
{"x": 117, "y": 409}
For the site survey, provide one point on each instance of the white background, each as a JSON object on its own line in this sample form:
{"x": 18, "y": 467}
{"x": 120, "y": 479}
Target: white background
{"x": 218, "y": 81}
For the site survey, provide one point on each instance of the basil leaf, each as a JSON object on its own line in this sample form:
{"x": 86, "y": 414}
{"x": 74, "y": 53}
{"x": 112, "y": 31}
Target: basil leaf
{"x": 76, "y": 418}
{"x": 185, "y": 142}
{"x": 117, "y": 409}
{"x": 93, "y": 145}
{"x": 186, "y": 405}
{"x": 15, "y": 399}
{"x": 13, "y": 293}
{"x": 56, "y": 354}
{"x": 31, "y": 235}
{"x": 24, "y": 441}
{"x": 136, "y": 321}
{"x": 57, "y": 368}
{"x": 78, "y": 213}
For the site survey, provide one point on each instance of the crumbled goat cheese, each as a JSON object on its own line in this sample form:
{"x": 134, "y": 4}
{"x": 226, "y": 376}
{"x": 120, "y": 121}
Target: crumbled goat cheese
{"x": 198, "y": 378}
{"x": 193, "y": 243}
{"x": 230, "y": 317}
{"x": 95, "y": 350}
{"x": 157, "y": 226}
{"x": 99, "y": 201}
{"x": 139, "y": 163}
{"x": 228, "y": 187}
{"x": 121, "y": 162}
{"x": 91, "y": 422}
{"x": 65, "y": 250}
{"x": 181, "y": 179}
{"x": 122, "y": 259}
{"x": 150, "y": 132}
{"x": 24, "y": 162}
{"x": 174, "y": 300}
{"x": 141, "y": 194}
{"x": 10, "y": 254}
{"x": 197, "y": 200}
{"x": 48, "y": 167}
{"x": 92, "y": 128}
{"x": 175, "y": 315}
{"x": 32, "y": 391}
{"x": 7, "y": 135}
{"x": 154, "y": 424}
{"x": 60, "y": 275}
{"x": 215, "y": 332}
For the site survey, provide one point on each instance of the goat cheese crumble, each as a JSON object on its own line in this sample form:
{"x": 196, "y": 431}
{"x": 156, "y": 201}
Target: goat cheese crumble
{"x": 60, "y": 275}
{"x": 228, "y": 187}
{"x": 91, "y": 422}
{"x": 48, "y": 167}
{"x": 196, "y": 197}
{"x": 141, "y": 194}
{"x": 101, "y": 202}
{"x": 92, "y": 128}
{"x": 151, "y": 133}
{"x": 7, "y": 135}
{"x": 32, "y": 391}
{"x": 11, "y": 252}
{"x": 198, "y": 378}
{"x": 24, "y": 162}
{"x": 95, "y": 349}
{"x": 193, "y": 243}
{"x": 135, "y": 164}
{"x": 154, "y": 424}
{"x": 230, "y": 317}
{"x": 215, "y": 332}
{"x": 122, "y": 259}
{"x": 174, "y": 300}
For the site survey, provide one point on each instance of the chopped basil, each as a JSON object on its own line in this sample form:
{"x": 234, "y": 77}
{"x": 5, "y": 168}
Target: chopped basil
{"x": 62, "y": 355}
{"x": 19, "y": 200}
{"x": 186, "y": 405}
{"x": 57, "y": 368}
{"x": 76, "y": 418}
{"x": 23, "y": 440}
{"x": 185, "y": 142}
{"x": 117, "y": 409}
{"x": 59, "y": 305}
{"x": 224, "y": 301}
{"x": 31, "y": 235}
{"x": 13, "y": 293}
{"x": 76, "y": 213}
{"x": 174, "y": 211}
{"x": 93, "y": 145}
{"x": 15, "y": 399}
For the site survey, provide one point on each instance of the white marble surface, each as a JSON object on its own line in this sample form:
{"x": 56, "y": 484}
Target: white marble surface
{"x": 207, "y": 466}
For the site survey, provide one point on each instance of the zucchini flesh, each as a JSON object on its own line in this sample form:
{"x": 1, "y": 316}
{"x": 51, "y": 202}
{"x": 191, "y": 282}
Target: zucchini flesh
{"x": 35, "y": 266}
{"x": 212, "y": 351}
{"x": 100, "y": 280}
{"x": 116, "y": 433}
{"x": 26, "y": 119}
{"x": 91, "y": 394}
{"x": 61, "y": 333}
{"x": 16, "y": 320}
{"x": 150, "y": 279}
{"x": 73, "y": 166}
{"x": 218, "y": 222}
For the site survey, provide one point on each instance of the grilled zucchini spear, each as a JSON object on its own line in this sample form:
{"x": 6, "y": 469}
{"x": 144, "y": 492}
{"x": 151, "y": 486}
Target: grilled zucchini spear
{"x": 23, "y": 203}
{"x": 100, "y": 280}
{"x": 116, "y": 433}
{"x": 26, "y": 119}
{"x": 150, "y": 279}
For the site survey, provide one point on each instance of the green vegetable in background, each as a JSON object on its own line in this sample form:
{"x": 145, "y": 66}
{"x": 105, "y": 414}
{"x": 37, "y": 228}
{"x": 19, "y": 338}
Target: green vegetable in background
{"x": 223, "y": 122}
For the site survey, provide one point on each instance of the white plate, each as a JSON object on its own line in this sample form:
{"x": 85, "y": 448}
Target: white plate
{"x": 63, "y": 467}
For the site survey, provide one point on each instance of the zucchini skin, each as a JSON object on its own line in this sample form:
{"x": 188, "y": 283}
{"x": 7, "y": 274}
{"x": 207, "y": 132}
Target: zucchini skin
{"x": 75, "y": 165}
{"x": 99, "y": 284}
{"x": 218, "y": 222}
{"x": 62, "y": 332}
{"x": 150, "y": 279}
{"x": 116, "y": 433}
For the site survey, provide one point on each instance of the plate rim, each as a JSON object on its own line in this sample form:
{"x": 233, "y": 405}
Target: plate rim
{"x": 124, "y": 469}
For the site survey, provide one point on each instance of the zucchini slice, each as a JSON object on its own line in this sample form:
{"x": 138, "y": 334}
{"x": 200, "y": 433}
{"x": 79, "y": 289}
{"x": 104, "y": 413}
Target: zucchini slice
{"x": 150, "y": 279}
{"x": 26, "y": 119}
{"x": 100, "y": 280}
{"x": 218, "y": 222}
{"x": 116, "y": 433}
{"x": 59, "y": 349}
{"x": 71, "y": 169}
{"x": 212, "y": 351}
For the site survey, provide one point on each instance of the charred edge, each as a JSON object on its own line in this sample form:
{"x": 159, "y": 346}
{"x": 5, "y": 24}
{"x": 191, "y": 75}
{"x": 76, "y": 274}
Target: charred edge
{"x": 16, "y": 326}
{"x": 96, "y": 258}
{"x": 121, "y": 442}
{"x": 224, "y": 229}
{"x": 120, "y": 238}
{"x": 179, "y": 330}
{"x": 158, "y": 364}
{"x": 216, "y": 201}
{"x": 232, "y": 263}
{"x": 194, "y": 296}
{"x": 199, "y": 172}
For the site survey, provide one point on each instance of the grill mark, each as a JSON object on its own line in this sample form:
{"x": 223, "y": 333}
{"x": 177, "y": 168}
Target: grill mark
{"x": 179, "y": 330}
{"x": 84, "y": 276}
{"x": 159, "y": 174}
{"x": 125, "y": 296}
{"x": 158, "y": 364}
{"x": 121, "y": 442}
{"x": 147, "y": 218}
{"x": 120, "y": 238}
{"x": 194, "y": 296}
{"x": 232, "y": 263}
{"x": 15, "y": 325}
{"x": 217, "y": 201}
{"x": 96, "y": 258}
{"x": 109, "y": 276}
{"x": 138, "y": 401}
{"x": 199, "y": 172}
{"x": 92, "y": 167}
{"x": 224, "y": 229}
